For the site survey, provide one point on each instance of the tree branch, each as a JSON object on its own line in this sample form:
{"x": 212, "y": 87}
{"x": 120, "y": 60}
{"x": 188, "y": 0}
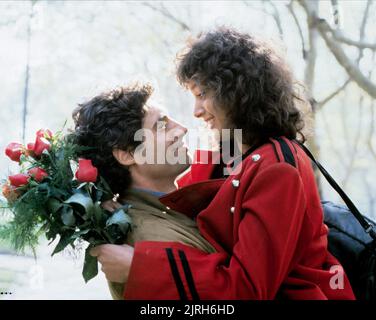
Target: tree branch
{"x": 360, "y": 44}
{"x": 164, "y": 11}
{"x": 336, "y": 17}
{"x": 352, "y": 70}
{"x": 309, "y": 76}
{"x": 372, "y": 130}
{"x": 275, "y": 15}
{"x": 341, "y": 38}
{"x": 290, "y": 7}
{"x": 277, "y": 18}
{"x": 324, "y": 101}
{"x": 354, "y": 150}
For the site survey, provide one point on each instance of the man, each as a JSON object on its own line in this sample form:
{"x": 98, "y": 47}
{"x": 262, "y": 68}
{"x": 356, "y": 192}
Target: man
{"x": 139, "y": 151}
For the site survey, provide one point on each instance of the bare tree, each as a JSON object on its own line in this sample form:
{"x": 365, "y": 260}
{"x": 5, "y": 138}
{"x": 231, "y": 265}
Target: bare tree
{"x": 27, "y": 70}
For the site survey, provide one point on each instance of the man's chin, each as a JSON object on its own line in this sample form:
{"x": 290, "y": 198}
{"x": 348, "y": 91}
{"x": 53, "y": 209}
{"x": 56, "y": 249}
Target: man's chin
{"x": 181, "y": 167}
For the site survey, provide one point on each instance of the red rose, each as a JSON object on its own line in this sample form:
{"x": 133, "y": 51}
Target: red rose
{"x": 10, "y": 192}
{"x": 18, "y": 180}
{"x": 38, "y": 174}
{"x": 30, "y": 149}
{"x": 86, "y": 171}
{"x": 40, "y": 145}
{"x": 44, "y": 133}
{"x": 14, "y": 151}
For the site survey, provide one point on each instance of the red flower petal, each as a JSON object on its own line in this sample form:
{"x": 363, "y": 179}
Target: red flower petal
{"x": 86, "y": 171}
{"x": 38, "y": 174}
{"x": 14, "y": 151}
{"x": 18, "y": 180}
{"x": 44, "y": 133}
{"x": 40, "y": 145}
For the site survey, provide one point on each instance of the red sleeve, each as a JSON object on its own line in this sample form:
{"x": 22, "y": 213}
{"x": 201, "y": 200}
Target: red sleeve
{"x": 274, "y": 208}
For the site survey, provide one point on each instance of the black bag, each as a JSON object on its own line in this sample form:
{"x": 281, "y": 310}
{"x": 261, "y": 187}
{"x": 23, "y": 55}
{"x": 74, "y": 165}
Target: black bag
{"x": 351, "y": 239}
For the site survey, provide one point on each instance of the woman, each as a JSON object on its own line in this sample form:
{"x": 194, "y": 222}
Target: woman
{"x": 265, "y": 220}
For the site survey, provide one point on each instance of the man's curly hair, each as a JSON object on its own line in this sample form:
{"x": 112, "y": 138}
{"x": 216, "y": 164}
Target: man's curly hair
{"x": 109, "y": 121}
{"x": 248, "y": 80}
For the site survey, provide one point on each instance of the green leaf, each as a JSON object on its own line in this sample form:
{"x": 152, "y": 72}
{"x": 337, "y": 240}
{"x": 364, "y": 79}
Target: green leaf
{"x": 53, "y": 205}
{"x": 44, "y": 189}
{"x": 81, "y": 199}
{"x": 23, "y": 159}
{"x": 121, "y": 219}
{"x": 80, "y": 233}
{"x": 98, "y": 213}
{"x": 67, "y": 216}
{"x": 82, "y": 185}
{"x": 65, "y": 240}
{"x": 90, "y": 269}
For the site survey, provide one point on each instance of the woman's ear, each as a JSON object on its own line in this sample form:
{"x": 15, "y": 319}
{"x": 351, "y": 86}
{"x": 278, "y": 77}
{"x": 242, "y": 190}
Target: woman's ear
{"x": 123, "y": 157}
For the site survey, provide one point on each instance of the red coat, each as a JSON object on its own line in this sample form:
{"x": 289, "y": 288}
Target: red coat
{"x": 268, "y": 231}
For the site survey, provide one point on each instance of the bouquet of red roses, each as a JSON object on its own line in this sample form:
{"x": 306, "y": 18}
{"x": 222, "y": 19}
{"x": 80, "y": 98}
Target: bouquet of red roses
{"x": 57, "y": 193}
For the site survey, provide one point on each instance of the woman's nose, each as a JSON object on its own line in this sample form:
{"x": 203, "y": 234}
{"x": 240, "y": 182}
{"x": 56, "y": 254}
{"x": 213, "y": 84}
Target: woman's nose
{"x": 198, "y": 111}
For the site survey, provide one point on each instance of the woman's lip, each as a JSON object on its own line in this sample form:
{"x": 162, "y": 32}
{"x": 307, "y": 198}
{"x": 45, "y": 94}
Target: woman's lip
{"x": 210, "y": 123}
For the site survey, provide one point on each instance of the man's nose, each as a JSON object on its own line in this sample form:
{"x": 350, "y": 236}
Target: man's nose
{"x": 179, "y": 129}
{"x": 199, "y": 110}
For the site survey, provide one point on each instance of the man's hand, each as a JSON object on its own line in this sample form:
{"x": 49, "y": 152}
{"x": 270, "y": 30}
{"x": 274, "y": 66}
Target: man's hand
{"x": 111, "y": 205}
{"x": 115, "y": 260}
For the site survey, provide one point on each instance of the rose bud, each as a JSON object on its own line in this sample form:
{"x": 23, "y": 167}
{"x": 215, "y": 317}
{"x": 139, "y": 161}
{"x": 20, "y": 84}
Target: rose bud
{"x": 86, "y": 171}
{"x": 38, "y": 174}
{"x": 44, "y": 133}
{"x": 10, "y": 192}
{"x": 14, "y": 151}
{"x": 40, "y": 145}
{"x": 18, "y": 180}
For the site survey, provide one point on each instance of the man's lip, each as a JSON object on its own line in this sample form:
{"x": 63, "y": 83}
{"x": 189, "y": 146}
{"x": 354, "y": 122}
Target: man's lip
{"x": 181, "y": 144}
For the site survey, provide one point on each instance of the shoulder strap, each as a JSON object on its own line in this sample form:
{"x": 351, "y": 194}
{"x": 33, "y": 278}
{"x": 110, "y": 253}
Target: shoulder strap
{"x": 353, "y": 209}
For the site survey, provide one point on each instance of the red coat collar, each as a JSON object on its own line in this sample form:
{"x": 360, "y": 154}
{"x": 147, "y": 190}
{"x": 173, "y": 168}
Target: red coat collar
{"x": 204, "y": 162}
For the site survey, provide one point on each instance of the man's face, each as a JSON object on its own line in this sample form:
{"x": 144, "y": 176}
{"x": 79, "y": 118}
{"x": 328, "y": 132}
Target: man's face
{"x": 163, "y": 154}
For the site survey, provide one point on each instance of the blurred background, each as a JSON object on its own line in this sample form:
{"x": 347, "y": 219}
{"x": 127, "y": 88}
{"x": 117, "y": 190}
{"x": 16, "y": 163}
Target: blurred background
{"x": 55, "y": 54}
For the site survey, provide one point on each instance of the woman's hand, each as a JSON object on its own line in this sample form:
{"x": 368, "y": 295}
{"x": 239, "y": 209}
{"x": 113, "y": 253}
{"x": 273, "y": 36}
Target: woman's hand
{"x": 115, "y": 260}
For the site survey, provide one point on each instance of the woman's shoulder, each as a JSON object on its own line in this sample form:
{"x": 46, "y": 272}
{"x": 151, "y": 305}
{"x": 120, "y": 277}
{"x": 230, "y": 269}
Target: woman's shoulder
{"x": 277, "y": 152}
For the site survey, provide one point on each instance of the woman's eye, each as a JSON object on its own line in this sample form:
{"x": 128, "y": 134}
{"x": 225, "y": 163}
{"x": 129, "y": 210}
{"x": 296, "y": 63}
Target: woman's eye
{"x": 201, "y": 94}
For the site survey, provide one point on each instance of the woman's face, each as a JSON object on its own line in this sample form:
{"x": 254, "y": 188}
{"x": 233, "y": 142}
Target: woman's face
{"x": 205, "y": 109}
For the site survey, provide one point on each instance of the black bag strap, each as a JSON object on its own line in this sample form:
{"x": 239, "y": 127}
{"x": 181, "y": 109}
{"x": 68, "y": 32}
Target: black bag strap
{"x": 369, "y": 228}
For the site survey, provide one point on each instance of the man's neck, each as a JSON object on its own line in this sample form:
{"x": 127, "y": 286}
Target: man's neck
{"x": 165, "y": 186}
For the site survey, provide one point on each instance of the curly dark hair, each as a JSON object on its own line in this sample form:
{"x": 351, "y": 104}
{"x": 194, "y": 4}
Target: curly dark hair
{"x": 109, "y": 121}
{"x": 249, "y": 81}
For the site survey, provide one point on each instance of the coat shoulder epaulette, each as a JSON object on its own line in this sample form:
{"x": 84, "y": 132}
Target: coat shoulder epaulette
{"x": 285, "y": 150}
